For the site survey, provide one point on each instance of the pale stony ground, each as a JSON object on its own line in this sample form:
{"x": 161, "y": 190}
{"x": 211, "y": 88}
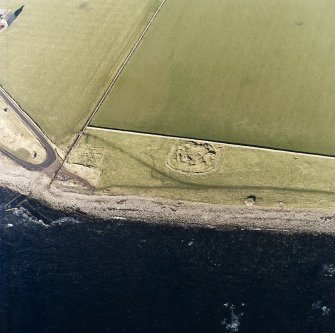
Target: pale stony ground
{"x": 155, "y": 210}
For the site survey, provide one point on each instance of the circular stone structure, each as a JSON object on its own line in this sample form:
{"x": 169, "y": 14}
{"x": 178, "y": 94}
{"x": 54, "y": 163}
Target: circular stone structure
{"x": 193, "y": 157}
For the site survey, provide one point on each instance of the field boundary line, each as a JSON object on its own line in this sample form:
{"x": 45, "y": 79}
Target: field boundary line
{"x": 117, "y": 75}
{"x": 184, "y": 138}
{"x": 109, "y": 88}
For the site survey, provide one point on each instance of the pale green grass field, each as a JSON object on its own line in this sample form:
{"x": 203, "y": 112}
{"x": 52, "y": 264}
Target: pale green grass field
{"x": 255, "y": 72}
{"x": 59, "y": 56}
{"x": 132, "y": 164}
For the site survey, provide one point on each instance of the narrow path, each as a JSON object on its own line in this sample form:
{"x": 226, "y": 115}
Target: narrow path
{"x": 50, "y": 152}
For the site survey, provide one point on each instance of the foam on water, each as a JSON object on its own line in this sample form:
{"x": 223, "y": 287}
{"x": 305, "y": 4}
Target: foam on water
{"x": 69, "y": 273}
{"x": 233, "y": 323}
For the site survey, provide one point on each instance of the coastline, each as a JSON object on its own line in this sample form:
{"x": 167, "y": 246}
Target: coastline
{"x": 163, "y": 211}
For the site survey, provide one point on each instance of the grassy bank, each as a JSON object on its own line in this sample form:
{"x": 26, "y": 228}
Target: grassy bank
{"x": 17, "y": 139}
{"x": 132, "y": 164}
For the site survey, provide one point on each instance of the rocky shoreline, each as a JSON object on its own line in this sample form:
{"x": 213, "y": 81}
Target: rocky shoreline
{"x": 157, "y": 210}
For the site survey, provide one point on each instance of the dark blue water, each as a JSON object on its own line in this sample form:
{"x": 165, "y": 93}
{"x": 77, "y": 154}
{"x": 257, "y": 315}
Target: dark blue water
{"x": 63, "y": 273}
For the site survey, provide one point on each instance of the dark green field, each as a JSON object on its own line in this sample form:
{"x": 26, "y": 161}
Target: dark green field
{"x": 259, "y": 72}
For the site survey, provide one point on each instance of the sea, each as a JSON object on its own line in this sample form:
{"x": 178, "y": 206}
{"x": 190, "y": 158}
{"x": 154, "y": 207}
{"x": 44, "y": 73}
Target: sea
{"x": 64, "y": 273}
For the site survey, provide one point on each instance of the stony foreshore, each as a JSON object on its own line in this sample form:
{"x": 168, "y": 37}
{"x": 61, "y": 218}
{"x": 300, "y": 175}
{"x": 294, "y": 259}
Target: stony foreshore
{"x": 157, "y": 210}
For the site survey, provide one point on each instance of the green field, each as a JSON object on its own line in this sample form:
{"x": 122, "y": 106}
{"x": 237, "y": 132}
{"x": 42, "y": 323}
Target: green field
{"x": 59, "y": 56}
{"x": 131, "y": 164}
{"x": 254, "y": 72}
